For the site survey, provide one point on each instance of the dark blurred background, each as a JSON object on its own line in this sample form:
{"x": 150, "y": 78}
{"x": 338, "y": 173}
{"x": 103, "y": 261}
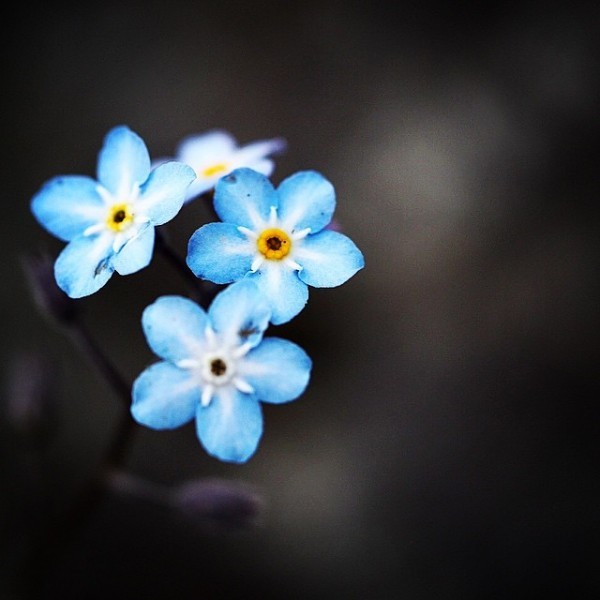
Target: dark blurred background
{"x": 447, "y": 446}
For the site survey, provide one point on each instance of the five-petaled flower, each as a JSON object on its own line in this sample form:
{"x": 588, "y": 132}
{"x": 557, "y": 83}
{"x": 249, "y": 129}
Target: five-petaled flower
{"x": 216, "y": 153}
{"x": 275, "y": 237}
{"x": 109, "y": 223}
{"x": 216, "y": 367}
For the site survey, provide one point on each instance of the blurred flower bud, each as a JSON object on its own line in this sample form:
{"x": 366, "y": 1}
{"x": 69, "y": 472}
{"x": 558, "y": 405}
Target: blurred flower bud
{"x": 334, "y": 225}
{"x": 30, "y": 399}
{"x": 50, "y": 299}
{"x": 218, "y": 505}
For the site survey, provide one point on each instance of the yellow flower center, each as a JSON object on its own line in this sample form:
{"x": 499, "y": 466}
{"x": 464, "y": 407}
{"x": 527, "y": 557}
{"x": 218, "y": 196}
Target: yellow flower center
{"x": 274, "y": 243}
{"x": 214, "y": 169}
{"x": 119, "y": 217}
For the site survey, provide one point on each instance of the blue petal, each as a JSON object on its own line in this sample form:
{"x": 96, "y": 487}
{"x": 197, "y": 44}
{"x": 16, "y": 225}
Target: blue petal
{"x": 199, "y": 186}
{"x": 240, "y": 313}
{"x": 163, "y": 194}
{"x": 252, "y": 154}
{"x": 136, "y": 253}
{"x": 164, "y": 397}
{"x": 277, "y": 369}
{"x": 123, "y": 161}
{"x": 306, "y": 199}
{"x": 220, "y": 253}
{"x": 266, "y": 166}
{"x": 230, "y": 427}
{"x": 218, "y": 147}
{"x": 287, "y": 295}
{"x": 201, "y": 150}
{"x": 67, "y": 206}
{"x": 245, "y": 197}
{"x": 328, "y": 259}
{"x": 174, "y": 327}
{"x": 84, "y": 265}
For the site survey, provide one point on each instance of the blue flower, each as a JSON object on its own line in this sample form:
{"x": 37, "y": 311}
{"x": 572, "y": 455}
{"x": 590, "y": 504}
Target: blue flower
{"x": 216, "y": 368}
{"x": 216, "y": 153}
{"x": 109, "y": 223}
{"x": 276, "y": 237}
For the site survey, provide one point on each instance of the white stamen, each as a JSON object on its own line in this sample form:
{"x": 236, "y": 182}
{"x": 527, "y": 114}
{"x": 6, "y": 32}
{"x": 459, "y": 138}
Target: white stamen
{"x": 105, "y": 195}
{"x": 187, "y": 363}
{"x": 292, "y": 264}
{"x": 119, "y": 241}
{"x": 300, "y": 235}
{"x": 130, "y": 195}
{"x": 207, "y": 394}
{"x": 273, "y": 216}
{"x": 243, "y": 386}
{"x": 92, "y": 229}
{"x": 247, "y": 232}
{"x": 256, "y": 263}
{"x": 241, "y": 350}
{"x": 211, "y": 336}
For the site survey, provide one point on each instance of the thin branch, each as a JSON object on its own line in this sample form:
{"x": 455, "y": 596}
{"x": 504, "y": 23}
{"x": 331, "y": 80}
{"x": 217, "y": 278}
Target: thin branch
{"x": 201, "y": 291}
{"x": 48, "y": 545}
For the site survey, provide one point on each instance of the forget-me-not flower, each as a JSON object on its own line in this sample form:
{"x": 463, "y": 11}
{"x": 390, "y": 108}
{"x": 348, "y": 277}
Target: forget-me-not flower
{"x": 216, "y": 153}
{"x": 275, "y": 237}
{"x": 217, "y": 368}
{"x": 109, "y": 223}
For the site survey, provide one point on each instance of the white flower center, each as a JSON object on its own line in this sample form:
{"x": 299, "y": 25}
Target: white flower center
{"x": 216, "y": 367}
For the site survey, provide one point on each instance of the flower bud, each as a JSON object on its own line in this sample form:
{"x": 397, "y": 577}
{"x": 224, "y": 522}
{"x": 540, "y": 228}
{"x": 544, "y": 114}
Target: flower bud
{"x": 334, "y": 225}
{"x": 30, "y": 400}
{"x": 217, "y": 505}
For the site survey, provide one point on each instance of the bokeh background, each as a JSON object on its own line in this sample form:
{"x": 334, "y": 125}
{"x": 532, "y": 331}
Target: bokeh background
{"x": 447, "y": 446}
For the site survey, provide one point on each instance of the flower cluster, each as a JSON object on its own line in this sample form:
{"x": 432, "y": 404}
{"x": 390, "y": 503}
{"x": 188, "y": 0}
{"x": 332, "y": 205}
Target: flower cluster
{"x": 215, "y": 364}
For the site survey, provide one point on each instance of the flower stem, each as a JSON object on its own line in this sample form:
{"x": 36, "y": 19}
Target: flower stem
{"x": 126, "y": 484}
{"x": 46, "y": 548}
{"x": 82, "y": 338}
{"x": 200, "y": 290}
